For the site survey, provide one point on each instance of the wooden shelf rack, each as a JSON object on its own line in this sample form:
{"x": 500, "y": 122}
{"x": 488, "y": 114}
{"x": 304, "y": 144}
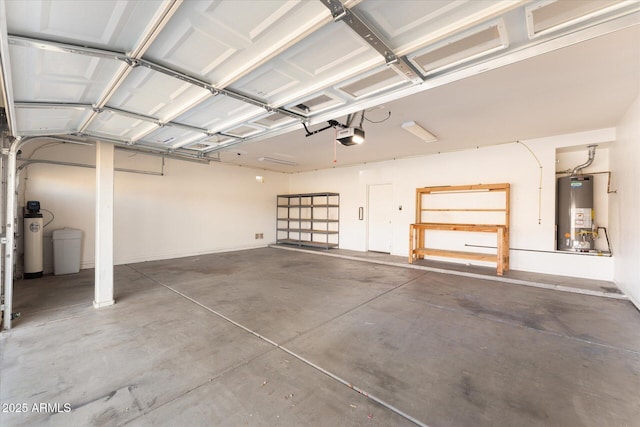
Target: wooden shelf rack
{"x": 417, "y": 231}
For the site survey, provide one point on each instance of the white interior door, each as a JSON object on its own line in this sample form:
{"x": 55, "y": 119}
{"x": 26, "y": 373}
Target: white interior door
{"x": 380, "y": 212}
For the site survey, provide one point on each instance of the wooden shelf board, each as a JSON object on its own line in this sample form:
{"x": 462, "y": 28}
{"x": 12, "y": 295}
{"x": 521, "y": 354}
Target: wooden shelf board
{"x": 464, "y": 210}
{"x": 462, "y": 188}
{"x": 488, "y": 228}
{"x": 456, "y": 254}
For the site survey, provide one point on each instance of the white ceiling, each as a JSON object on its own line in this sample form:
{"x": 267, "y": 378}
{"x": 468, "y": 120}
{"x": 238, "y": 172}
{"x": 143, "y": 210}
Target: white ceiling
{"x": 210, "y": 79}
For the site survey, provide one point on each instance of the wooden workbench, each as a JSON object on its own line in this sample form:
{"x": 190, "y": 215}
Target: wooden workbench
{"x": 417, "y": 241}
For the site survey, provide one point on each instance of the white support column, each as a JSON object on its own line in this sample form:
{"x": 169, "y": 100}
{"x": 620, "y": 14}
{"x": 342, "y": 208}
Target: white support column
{"x": 104, "y": 225}
{"x": 10, "y": 233}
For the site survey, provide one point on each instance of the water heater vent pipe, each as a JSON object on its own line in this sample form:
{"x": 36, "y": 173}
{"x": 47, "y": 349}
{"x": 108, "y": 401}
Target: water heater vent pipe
{"x": 592, "y": 155}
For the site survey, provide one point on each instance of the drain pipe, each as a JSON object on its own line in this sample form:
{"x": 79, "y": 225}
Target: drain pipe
{"x": 592, "y": 155}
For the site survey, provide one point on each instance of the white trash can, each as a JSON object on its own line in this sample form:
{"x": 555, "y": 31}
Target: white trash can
{"x": 66, "y": 251}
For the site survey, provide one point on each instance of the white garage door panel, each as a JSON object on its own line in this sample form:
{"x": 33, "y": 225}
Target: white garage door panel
{"x": 315, "y": 58}
{"x": 329, "y": 55}
{"x": 262, "y": 17}
{"x": 183, "y": 50}
{"x": 380, "y": 79}
{"x": 60, "y": 77}
{"x": 41, "y": 121}
{"x": 244, "y": 130}
{"x": 97, "y": 23}
{"x": 235, "y": 38}
{"x": 271, "y": 80}
{"x": 419, "y": 22}
{"x": 273, "y": 120}
{"x": 123, "y": 127}
{"x": 220, "y": 112}
{"x": 171, "y": 136}
{"x": 152, "y": 93}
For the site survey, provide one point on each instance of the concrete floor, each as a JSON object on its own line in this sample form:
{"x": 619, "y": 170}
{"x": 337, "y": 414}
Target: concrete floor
{"x": 524, "y": 278}
{"x": 273, "y": 337}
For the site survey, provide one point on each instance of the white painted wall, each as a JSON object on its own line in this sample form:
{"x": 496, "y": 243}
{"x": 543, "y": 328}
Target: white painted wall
{"x": 197, "y": 209}
{"x": 511, "y": 163}
{"x": 625, "y": 207}
{"x": 193, "y": 209}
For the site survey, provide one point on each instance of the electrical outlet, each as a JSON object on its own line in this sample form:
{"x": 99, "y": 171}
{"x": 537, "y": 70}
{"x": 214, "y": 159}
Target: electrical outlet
{"x": 259, "y": 236}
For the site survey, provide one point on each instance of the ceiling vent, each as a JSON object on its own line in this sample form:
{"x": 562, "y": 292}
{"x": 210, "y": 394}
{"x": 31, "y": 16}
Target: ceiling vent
{"x": 466, "y": 47}
{"x": 552, "y": 15}
{"x": 388, "y": 78}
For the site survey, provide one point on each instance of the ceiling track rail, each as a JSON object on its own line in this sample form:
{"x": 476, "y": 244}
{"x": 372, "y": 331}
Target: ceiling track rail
{"x": 49, "y": 105}
{"x": 86, "y": 139}
{"x": 401, "y": 64}
{"x": 130, "y": 114}
{"x": 53, "y": 46}
{"x": 157, "y": 121}
{"x": 176, "y": 156}
{"x": 29, "y": 162}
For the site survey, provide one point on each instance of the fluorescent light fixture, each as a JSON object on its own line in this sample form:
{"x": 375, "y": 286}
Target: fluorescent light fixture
{"x": 278, "y": 161}
{"x": 350, "y": 136}
{"x": 419, "y": 131}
